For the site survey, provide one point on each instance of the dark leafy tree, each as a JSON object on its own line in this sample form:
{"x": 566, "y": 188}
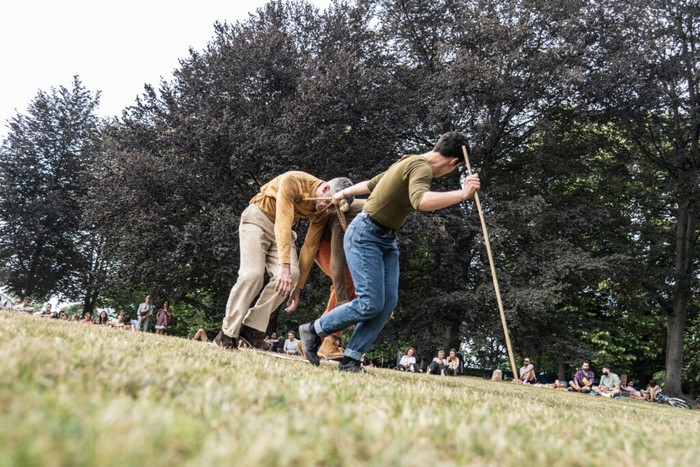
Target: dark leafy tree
{"x": 45, "y": 164}
{"x": 645, "y": 72}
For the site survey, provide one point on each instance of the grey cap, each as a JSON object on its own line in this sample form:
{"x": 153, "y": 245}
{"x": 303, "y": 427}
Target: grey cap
{"x": 339, "y": 184}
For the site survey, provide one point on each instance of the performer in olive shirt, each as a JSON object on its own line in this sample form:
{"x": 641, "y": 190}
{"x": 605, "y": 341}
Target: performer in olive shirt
{"x": 267, "y": 244}
{"x": 370, "y": 244}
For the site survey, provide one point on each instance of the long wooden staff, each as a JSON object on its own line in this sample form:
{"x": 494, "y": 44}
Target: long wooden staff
{"x": 493, "y": 270}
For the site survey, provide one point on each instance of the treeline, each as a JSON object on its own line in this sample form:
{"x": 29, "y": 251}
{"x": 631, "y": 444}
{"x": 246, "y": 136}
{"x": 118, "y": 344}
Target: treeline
{"x": 585, "y": 131}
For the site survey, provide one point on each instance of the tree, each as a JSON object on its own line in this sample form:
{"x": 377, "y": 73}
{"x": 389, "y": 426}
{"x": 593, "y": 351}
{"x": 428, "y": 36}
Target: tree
{"x": 644, "y": 73}
{"x": 45, "y": 166}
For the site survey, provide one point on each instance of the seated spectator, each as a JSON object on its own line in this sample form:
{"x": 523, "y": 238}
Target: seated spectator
{"x": 408, "y": 361}
{"x": 163, "y": 318}
{"x": 627, "y": 388}
{"x": 75, "y": 317}
{"x": 122, "y": 322}
{"x": 44, "y": 312}
{"x": 437, "y": 366}
{"x": 102, "y": 319}
{"x": 651, "y": 393}
{"x": 497, "y": 375}
{"x": 583, "y": 379}
{"x": 527, "y": 373}
{"x": 87, "y": 318}
{"x": 63, "y": 315}
{"x": 130, "y": 324}
{"x": 290, "y": 345}
{"x": 273, "y": 341}
{"x": 609, "y": 383}
{"x": 557, "y": 384}
{"x": 452, "y": 363}
{"x": 200, "y": 335}
{"x": 25, "y": 306}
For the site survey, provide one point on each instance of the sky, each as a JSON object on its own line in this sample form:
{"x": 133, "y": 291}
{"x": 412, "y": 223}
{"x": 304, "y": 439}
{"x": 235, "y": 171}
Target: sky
{"x": 114, "y": 47}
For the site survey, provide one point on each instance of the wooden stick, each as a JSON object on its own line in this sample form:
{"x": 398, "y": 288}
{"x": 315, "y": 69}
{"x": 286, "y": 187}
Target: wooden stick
{"x": 493, "y": 271}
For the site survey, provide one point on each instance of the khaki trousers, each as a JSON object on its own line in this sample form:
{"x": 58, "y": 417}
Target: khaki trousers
{"x": 258, "y": 254}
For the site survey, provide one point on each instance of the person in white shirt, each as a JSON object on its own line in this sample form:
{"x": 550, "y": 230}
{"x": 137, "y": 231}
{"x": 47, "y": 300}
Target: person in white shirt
{"x": 527, "y": 373}
{"x": 408, "y": 361}
{"x": 290, "y": 345}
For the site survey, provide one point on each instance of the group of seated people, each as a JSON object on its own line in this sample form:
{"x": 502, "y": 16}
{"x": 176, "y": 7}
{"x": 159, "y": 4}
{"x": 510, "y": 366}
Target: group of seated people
{"x": 123, "y": 321}
{"x": 440, "y": 365}
{"x": 609, "y": 385}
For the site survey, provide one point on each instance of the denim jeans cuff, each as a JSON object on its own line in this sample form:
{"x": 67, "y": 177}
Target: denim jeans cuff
{"x": 353, "y": 354}
{"x": 319, "y": 331}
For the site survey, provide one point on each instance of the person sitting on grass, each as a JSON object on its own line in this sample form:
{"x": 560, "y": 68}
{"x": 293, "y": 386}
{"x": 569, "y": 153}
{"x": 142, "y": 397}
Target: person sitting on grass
{"x": 527, "y": 373}
{"x": 25, "y": 306}
{"x": 123, "y": 321}
{"x": 273, "y": 340}
{"x": 87, "y": 318}
{"x": 200, "y": 335}
{"x": 609, "y": 383}
{"x": 408, "y": 361}
{"x": 497, "y": 375}
{"x": 102, "y": 318}
{"x": 452, "y": 363}
{"x": 44, "y": 312}
{"x": 583, "y": 379}
{"x": 627, "y": 388}
{"x": 63, "y": 316}
{"x": 651, "y": 393}
{"x": 437, "y": 366}
{"x": 290, "y": 345}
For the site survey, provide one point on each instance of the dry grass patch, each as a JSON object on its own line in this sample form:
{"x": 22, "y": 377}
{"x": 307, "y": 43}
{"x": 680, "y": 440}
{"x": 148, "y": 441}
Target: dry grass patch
{"x": 81, "y": 395}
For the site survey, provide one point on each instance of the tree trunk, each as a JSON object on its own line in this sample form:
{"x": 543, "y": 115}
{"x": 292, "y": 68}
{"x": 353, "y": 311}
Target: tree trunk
{"x": 562, "y": 370}
{"x": 685, "y": 242}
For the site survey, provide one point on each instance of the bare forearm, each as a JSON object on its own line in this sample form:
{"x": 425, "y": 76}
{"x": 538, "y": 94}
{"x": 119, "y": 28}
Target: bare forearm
{"x": 357, "y": 189}
{"x": 434, "y": 200}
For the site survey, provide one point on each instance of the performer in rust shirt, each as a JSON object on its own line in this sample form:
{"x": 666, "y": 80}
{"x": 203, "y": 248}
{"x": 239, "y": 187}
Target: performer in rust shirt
{"x": 267, "y": 244}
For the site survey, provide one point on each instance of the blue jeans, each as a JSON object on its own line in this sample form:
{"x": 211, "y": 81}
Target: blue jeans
{"x": 373, "y": 260}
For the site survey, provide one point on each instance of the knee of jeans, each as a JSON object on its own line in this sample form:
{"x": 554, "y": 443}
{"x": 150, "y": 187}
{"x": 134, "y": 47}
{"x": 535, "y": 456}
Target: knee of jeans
{"x": 369, "y": 308}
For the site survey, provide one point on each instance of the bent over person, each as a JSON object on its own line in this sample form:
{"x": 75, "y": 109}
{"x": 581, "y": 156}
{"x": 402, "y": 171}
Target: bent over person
{"x": 267, "y": 244}
{"x": 370, "y": 244}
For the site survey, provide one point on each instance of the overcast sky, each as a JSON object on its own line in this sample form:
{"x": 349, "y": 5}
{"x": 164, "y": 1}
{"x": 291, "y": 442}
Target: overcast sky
{"x": 114, "y": 47}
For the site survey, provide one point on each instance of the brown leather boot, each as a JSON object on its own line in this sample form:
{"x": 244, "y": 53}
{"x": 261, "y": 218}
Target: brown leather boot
{"x": 330, "y": 348}
{"x": 253, "y": 338}
{"x": 222, "y": 340}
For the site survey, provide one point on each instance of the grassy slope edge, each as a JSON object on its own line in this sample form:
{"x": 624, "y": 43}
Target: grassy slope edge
{"x": 82, "y": 395}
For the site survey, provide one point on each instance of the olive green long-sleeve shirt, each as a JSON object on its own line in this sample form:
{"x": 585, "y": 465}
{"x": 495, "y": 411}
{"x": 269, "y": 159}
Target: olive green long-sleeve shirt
{"x": 398, "y": 191}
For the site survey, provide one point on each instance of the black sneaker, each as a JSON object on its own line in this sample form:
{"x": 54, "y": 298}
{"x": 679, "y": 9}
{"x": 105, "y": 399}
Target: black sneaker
{"x": 254, "y": 338}
{"x": 353, "y": 366}
{"x": 310, "y": 343}
{"x": 222, "y": 340}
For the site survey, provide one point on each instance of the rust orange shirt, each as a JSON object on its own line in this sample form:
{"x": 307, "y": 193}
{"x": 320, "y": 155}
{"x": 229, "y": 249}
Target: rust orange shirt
{"x": 282, "y": 201}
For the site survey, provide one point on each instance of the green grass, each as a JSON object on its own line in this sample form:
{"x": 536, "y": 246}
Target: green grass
{"x": 81, "y": 395}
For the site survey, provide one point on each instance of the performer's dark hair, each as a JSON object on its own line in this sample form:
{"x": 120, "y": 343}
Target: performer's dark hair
{"x": 450, "y": 145}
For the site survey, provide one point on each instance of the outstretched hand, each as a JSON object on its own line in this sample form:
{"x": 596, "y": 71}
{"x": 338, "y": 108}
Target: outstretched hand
{"x": 283, "y": 282}
{"x": 293, "y": 301}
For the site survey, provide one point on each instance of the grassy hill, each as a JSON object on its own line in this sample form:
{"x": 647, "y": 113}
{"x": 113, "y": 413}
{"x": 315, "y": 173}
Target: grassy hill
{"x": 77, "y": 395}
